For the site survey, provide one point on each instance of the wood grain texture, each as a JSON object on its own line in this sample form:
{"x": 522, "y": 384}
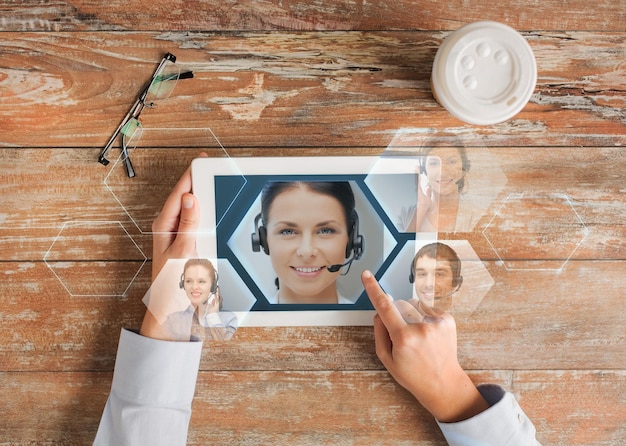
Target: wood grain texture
{"x": 351, "y": 408}
{"x": 528, "y": 320}
{"x": 301, "y": 78}
{"x": 246, "y": 15}
{"x": 67, "y": 187}
{"x": 264, "y": 90}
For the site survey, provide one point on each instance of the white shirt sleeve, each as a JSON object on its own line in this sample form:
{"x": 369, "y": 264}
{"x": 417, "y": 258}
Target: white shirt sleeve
{"x": 151, "y": 393}
{"x": 154, "y": 383}
{"x": 504, "y": 423}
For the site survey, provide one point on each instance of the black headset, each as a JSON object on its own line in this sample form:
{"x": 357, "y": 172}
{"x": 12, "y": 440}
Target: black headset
{"x": 355, "y": 246}
{"x": 457, "y": 280}
{"x": 214, "y": 285}
{"x": 422, "y": 165}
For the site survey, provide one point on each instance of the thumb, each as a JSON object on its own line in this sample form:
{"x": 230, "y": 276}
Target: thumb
{"x": 185, "y": 243}
{"x": 189, "y": 214}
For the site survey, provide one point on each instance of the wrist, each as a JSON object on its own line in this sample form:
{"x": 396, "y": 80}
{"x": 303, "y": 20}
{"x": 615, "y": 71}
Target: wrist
{"x": 455, "y": 398}
{"x": 151, "y": 328}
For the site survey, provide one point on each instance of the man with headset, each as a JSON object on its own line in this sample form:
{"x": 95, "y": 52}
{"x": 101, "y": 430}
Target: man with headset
{"x": 154, "y": 381}
{"x": 436, "y": 276}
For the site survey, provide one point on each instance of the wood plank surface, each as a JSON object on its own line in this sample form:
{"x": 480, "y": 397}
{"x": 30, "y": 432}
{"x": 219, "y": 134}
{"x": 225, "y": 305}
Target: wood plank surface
{"x": 528, "y": 320}
{"x": 301, "y": 78}
{"x": 331, "y": 408}
{"x": 266, "y": 90}
{"x": 68, "y": 186}
{"x": 246, "y": 15}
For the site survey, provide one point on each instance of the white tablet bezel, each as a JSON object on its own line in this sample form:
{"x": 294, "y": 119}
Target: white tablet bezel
{"x": 205, "y": 170}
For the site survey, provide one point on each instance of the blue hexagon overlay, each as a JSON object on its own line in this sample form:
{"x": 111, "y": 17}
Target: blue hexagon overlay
{"x": 382, "y": 186}
{"x": 260, "y": 270}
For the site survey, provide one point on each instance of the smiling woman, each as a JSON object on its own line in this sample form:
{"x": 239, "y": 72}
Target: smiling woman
{"x": 311, "y": 227}
{"x": 441, "y": 205}
{"x": 199, "y": 313}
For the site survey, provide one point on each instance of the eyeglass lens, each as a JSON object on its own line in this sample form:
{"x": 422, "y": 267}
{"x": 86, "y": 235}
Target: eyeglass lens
{"x": 157, "y": 93}
{"x": 163, "y": 82}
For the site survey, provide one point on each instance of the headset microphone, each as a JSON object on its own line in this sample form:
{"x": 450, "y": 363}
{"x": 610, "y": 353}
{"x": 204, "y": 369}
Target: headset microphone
{"x": 355, "y": 246}
{"x": 454, "y": 291}
{"x": 212, "y": 292}
{"x": 338, "y": 266}
{"x": 356, "y": 255}
{"x": 428, "y": 312}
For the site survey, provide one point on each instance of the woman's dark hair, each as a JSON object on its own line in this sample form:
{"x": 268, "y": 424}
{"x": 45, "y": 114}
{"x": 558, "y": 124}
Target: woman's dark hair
{"x": 340, "y": 190}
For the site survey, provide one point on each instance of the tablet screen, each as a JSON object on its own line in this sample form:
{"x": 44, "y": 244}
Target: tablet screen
{"x": 292, "y": 235}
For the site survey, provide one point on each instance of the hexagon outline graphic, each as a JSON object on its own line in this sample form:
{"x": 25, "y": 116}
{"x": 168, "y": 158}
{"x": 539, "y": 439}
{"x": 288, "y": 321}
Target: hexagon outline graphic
{"x": 156, "y": 131}
{"x": 260, "y": 270}
{"x": 48, "y": 262}
{"x": 476, "y": 279}
{"x": 170, "y": 301}
{"x": 484, "y": 180}
{"x": 522, "y": 196}
{"x": 241, "y": 226}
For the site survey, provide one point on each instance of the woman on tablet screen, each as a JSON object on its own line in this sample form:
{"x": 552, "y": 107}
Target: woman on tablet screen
{"x": 310, "y": 230}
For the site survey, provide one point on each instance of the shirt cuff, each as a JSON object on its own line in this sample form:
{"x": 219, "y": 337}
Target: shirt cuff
{"x": 503, "y": 422}
{"x": 155, "y": 372}
{"x": 214, "y": 320}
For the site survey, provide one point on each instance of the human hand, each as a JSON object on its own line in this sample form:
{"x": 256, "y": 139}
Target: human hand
{"x": 422, "y": 358}
{"x": 174, "y": 237}
{"x": 214, "y": 302}
{"x": 174, "y": 229}
{"x": 424, "y": 206}
{"x": 424, "y": 198}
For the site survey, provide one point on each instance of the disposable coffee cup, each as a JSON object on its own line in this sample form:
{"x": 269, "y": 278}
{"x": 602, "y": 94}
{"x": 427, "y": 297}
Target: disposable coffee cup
{"x": 484, "y": 73}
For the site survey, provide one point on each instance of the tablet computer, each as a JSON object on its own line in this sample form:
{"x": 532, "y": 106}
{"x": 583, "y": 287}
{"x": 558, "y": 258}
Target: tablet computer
{"x": 291, "y": 235}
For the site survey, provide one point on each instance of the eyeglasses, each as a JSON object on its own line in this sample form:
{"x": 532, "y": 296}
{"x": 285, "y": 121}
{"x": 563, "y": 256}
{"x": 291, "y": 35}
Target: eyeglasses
{"x": 160, "y": 86}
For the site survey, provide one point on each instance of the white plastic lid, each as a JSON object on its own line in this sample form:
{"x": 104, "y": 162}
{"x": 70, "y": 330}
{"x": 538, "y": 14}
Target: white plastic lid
{"x": 484, "y": 73}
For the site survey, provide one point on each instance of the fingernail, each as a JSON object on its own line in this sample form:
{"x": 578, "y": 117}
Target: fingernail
{"x": 367, "y": 274}
{"x": 187, "y": 202}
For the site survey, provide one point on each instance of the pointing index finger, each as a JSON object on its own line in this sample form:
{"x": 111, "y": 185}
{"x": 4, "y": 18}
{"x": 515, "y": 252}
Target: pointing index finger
{"x": 383, "y": 302}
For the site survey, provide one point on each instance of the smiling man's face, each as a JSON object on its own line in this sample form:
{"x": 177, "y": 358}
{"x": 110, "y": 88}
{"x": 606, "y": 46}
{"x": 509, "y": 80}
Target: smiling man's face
{"x": 434, "y": 279}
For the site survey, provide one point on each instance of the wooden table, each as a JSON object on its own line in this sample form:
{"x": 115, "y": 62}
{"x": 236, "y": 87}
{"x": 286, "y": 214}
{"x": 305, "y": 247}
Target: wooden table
{"x": 304, "y": 78}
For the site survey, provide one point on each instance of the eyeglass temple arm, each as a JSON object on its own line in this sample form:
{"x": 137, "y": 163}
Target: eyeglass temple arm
{"x": 186, "y": 75}
{"x": 135, "y": 108}
{"x": 131, "y": 113}
{"x": 130, "y": 170}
